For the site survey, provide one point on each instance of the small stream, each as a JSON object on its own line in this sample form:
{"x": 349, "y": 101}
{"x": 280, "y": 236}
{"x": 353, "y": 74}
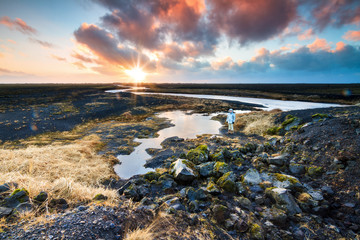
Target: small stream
{"x": 188, "y": 126}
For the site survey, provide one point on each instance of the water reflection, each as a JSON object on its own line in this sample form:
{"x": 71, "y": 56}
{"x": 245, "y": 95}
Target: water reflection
{"x": 186, "y": 126}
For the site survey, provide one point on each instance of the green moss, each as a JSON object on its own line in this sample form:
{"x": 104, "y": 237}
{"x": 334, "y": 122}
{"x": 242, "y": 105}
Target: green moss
{"x": 320, "y": 115}
{"x": 288, "y": 121}
{"x": 282, "y": 178}
{"x": 226, "y": 182}
{"x": 273, "y": 130}
{"x": 188, "y": 164}
{"x": 256, "y": 232}
{"x": 19, "y": 190}
{"x": 198, "y": 155}
{"x": 150, "y": 176}
{"x": 219, "y": 166}
{"x": 314, "y": 171}
{"x": 100, "y": 197}
{"x": 211, "y": 186}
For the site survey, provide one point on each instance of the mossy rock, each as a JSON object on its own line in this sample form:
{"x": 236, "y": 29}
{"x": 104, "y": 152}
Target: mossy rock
{"x": 212, "y": 188}
{"x": 100, "y": 197}
{"x": 256, "y": 232}
{"x": 198, "y": 155}
{"x": 220, "y": 213}
{"x": 220, "y": 168}
{"x": 320, "y": 115}
{"x": 227, "y": 182}
{"x": 314, "y": 171}
{"x": 19, "y": 190}
{"x": 304, "y": 197}
{"x": 274, "y": 130}
{"x": 41, "y": 197}
{"x": 150, "y": 176}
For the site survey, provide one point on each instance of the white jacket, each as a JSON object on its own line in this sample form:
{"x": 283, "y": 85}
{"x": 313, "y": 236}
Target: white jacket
{"x": 230, "y": 117}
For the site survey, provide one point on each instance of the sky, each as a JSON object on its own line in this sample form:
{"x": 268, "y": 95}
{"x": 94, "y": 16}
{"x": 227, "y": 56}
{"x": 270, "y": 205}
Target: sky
{"x": 192, "y": 41}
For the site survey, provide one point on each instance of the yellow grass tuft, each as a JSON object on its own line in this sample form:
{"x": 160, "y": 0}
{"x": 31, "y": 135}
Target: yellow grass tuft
{"x": 72, "y": 171}
{"x": 255, "y": 122}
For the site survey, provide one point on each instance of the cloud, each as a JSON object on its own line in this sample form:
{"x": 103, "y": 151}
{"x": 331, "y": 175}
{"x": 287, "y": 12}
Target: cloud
{"x": 106, "y": 47}
{"x": 58, "y": 58}
{"x": 319, "y": 44}
{"x": 352, "y": 36}
{"x": 334, "y": 12}
{"x": 18, "y": 24}
{"x": 11, "y": 41}
{"x": 308, "y": 34}
{"x": 42, "y": 43}
{"x": 81, "y": 57}
{"x": 11, "y": 73}
{"x": 252, "y": 21}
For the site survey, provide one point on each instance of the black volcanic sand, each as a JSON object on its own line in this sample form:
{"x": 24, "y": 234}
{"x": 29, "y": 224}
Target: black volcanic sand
{"x": 28, "y": 111}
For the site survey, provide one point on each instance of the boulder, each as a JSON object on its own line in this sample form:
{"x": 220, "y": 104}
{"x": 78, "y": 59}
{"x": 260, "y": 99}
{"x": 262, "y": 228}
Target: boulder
{"x": 227, "y": 182}
{"x": 6, "y": 186}
{"x": 220, "y": 168}
{"x": 206, "y": 169}
{"x": 41, "y": 197}
{"x": 252, "y": 176}
{"x": 16, "y": 198}
{"x": 220, "y": 213}
{"x": 297, "y": 168}
{"x": 275, "y": 215}
{"x": 100, "y": 197}
{"x": 212, "y": 188}
{"x": 316, "y": 195}
{"x": 182, "y": 172}
{"x": 278, "y": 160}
{"x": 256, "y": 232}
{"x": 4, "y": 212}
{"x": 59, "y": 204}
{"x": 284, "y": 200}
{"x": 198, "y": 155}
{"x": 24, "y": 207}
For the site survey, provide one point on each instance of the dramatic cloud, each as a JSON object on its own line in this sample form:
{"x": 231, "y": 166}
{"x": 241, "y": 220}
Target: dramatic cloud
{"x": 304, "y": 58}
{"x": 352, "y": 36}
{"x": 334, "y": 12}
{"x": 249, "y": 21}
{"x": 42, "y": 43}
{"x": 81, "y": 57}
{"x": 17, "y": 24}
{"x": 107, "y": 48}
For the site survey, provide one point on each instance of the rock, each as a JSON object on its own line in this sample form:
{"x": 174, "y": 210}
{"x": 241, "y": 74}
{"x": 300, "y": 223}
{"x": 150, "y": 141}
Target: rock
{"x": 316, "y": 195}
{"x": 212, "y": 188}
{"x": 150, "y": 176}
{"x": 220, "y": 213}
{"x": 182, "y": 172}
{"x": 314, "y": 171}
{"x": 124, "y": 187}
{"x": 256, "y": 232}
{"x": 276, "y": 216}
{"x": 41, "y": 197}
{"x": 168, "y": 185}
{"x": 297, "y": 168}
{"x": 328, "y": 190}
{"x": 206, "y": 169}
{"x": 193, "y": 194}
{"x": 175, "y": 204}
{"x": 220, "y": 168}
{"x": 290, "y": 123}
{"x": 82, "y": 208}
{"x": 100, "y": 197}
{"x": 240, "y": 188}
{"x": 198, "y": 155}
{"x": 227, "y": 182}
{"x": 131, "y": 192}
{"x": 59, "y": 204}
{"x": 286, "y": 181}
{"x": 241, "y": 225}
{"x": 193, "y": 206}
{"x": 284, "y": 200}
{"x": 24, "y": 207}
{"x": 278, "y": 160}
{"x": 6, "y": 186}
{"x": 4, "y": 212}
{"x": 16, "y": 198}
{"x": 244, "y": 202}
{"x": 252, "y": 176}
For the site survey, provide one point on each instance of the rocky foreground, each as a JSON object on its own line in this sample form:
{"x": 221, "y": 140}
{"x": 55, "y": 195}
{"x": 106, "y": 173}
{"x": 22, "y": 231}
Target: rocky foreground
{"x": 300, "y": 183}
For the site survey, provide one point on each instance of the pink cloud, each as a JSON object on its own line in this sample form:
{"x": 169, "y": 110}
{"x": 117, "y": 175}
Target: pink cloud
{"x": 17, "y": 24}
{"x": 352, "y": 36}
{"x": 223, "y": 64}
{"x": 319, "y": 44}
{"x": 11, "y": 41}
{"x": 58, "y": 58}
{"x": 309, "y": 33}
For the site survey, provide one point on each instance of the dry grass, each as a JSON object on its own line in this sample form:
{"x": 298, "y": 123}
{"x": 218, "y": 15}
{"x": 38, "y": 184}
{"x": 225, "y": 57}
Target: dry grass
{"x": 72, "y": 171}
{"x": 255, "y": 122}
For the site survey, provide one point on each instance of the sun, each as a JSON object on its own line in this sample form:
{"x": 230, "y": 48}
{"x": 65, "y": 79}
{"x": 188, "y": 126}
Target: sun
{"x": 136, "y": 73}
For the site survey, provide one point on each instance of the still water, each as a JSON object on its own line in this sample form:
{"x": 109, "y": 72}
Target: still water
{"x": 186, "y": 126}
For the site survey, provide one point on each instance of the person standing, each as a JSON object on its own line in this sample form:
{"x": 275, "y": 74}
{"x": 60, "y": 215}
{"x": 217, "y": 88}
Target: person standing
{"x": 230, "y": 120}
